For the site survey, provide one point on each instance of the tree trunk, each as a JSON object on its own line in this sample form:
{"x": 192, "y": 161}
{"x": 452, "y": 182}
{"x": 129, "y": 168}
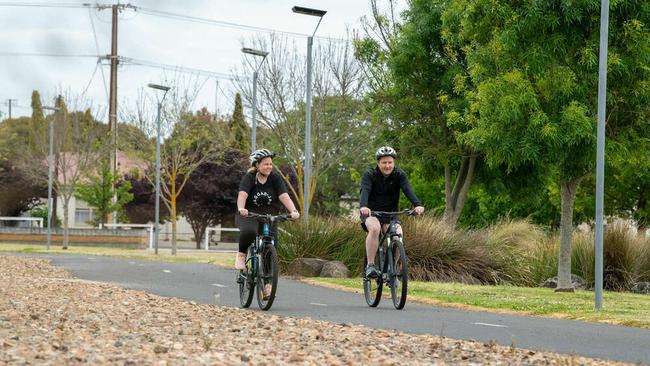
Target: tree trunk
{"x": 456, "y": 196}
{"x": 172, "y": 203}
{"x": 568, "y": 191}
{"x": 65, "y": 222}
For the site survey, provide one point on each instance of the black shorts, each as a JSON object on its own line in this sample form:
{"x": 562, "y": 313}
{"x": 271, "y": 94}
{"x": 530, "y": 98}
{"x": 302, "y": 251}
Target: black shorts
{"x": 382, "y": 220}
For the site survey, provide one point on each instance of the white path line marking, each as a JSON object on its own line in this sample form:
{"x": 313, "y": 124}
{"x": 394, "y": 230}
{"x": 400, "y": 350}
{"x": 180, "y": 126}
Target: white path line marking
{"x": 492, "y": 325}
{"x": 167, "y": 271}
{"x": 219, "y": 285}
{"x": 317, "y": 304}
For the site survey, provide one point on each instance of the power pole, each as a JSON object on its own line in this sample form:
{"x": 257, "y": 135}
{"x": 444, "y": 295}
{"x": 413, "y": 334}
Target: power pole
{"x": 9, "y": 101}
{"x": 112, "y": 99}
{"x": 112, "y": 103}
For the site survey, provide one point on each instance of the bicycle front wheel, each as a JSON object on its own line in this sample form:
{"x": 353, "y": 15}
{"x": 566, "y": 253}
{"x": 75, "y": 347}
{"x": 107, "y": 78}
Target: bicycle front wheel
{"x": 267, "y": 279}
{"x": 372, "y": 287}
{"x": 399, "y": 276}
{"x": 246, "y": 282}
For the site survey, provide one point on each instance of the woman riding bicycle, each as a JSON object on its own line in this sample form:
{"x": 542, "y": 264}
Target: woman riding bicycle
{"x": 261, "y": 190}
{"x": 380, "y": 188}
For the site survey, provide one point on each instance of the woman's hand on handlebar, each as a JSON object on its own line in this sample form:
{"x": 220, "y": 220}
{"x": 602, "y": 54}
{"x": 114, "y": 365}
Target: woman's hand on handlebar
{"x": 295, "y": 215}
{"x": 365, "y": 211}
{"x": 419, "y": 210}
{"x": 243, "y": 212}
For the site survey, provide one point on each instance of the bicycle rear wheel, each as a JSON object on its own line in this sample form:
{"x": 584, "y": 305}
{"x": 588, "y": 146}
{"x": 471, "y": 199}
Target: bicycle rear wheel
{"x": 267, "y": 279}
{"x": 372, "y": 287}
{"x": 246, "y": 282}
{"x": 399, "y": 276}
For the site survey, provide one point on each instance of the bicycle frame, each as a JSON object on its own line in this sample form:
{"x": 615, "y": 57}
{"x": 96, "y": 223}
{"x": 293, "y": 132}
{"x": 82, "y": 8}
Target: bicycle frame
{"x": 385, "y": 245}
{"x": 261, "y": 264}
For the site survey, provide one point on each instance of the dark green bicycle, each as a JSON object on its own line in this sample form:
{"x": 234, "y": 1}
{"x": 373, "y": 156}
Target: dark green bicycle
{"x": 392, "y": 263}
{"x": 262, "y": 268}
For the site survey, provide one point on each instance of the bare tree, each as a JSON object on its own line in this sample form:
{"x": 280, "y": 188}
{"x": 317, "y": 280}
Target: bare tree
{"x": 339, "y": 126}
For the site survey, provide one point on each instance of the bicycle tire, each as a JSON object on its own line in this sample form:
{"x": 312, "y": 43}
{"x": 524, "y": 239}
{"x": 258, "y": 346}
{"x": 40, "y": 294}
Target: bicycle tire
{"x": 399, "y": 276}
{"x": 268, "y": 274}
{"x": 246, "y": 282}
{"x": 372, "y": 287}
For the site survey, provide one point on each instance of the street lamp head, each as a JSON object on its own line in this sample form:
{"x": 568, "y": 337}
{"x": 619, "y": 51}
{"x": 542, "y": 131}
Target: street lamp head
{"x": 308, "y": 11}
{"x": 251, "y": 51}
{"x": 159, "y": 87}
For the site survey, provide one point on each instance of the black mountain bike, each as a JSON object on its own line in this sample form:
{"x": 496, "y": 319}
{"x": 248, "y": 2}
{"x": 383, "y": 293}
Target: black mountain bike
{"x": 392, "y": 263}
{"x": 261, "y": 265}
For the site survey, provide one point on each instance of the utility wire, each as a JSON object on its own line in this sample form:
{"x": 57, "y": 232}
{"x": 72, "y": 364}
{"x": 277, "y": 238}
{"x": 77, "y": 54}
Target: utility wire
{"x": 101, "y": 69}
{"x": 41, "y": 4}
{"x": 37, "y": 54}
{"x": 139, "y": 62}
{"x": 195, "y": 19}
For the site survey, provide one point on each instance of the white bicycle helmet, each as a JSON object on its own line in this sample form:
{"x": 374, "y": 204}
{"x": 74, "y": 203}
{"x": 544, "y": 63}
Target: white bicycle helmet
{"x": 257, "y": 155}
{"x": 385, "y": 151}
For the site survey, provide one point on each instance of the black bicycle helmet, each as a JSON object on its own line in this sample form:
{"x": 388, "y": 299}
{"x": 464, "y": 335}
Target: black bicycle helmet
{"x": 385, "y": 151}
{"x": 257, "y": 155}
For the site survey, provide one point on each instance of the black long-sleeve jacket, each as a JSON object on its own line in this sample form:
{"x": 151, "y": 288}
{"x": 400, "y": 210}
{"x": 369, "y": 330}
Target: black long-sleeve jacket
{"x": 380, "y": 193}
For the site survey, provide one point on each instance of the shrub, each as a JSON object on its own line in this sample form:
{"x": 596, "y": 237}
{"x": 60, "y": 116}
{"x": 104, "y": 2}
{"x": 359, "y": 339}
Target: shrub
{"x": 326, "y": 238}
{"x": 510, "y": 245}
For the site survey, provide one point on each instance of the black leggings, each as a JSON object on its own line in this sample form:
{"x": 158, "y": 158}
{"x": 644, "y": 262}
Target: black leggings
{"x": 248, "y": 229}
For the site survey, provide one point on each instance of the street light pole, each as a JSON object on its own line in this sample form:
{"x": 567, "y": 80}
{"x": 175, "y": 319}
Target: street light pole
{"x": 262, "y": 54}
{"x": 165, "y": 89}
{"x": 600, "y": 152}
{"x": 307, "y": 167}
{"x": 50, "y": 172}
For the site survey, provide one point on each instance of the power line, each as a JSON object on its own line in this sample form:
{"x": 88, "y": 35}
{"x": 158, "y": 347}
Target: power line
{"x": 194, "y": 19}
{"x": 101, "y": 69}
{"x": 37, "y": 54}
{"x": 170, "y": 15}
{"x": 41, "y": 4}
{"x": 139, "y": 62}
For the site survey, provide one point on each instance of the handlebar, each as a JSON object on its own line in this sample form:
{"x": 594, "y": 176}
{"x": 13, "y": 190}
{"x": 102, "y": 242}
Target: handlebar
{"x": 410, "y": 212}
{"x": 269, "y": 217}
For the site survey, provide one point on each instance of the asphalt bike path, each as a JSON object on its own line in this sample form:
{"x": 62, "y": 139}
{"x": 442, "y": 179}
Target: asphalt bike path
{"x": 205, "y": 283}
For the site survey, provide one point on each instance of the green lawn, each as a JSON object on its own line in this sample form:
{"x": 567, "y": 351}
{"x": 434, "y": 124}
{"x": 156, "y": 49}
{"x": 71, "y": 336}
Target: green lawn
{"x": 618, "y": 308}
{"x": 221, "y": 259}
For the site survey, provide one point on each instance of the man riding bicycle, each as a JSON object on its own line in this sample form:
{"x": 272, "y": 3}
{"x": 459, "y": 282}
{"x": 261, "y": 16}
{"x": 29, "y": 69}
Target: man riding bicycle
{"x": 380, "y": 188}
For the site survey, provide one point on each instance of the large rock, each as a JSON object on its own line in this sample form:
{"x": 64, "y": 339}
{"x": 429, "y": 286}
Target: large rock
{"x": 335, "y": 269}
{"x": 308, "y": 267}
{"x": 578, "y": 282}
{"x": 641, "y": 288}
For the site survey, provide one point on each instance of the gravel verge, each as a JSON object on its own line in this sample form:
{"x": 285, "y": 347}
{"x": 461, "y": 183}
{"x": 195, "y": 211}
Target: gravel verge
{"x": 47, "y": 317}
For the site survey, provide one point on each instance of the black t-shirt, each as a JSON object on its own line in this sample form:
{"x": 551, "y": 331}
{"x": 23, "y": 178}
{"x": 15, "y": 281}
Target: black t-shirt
{"x": 263, "y": 198}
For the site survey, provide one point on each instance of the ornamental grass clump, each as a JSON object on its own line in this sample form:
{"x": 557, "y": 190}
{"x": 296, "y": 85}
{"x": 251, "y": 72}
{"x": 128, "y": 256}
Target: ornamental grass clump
{"x": 327, "y": 238}
{"x": 437, "y": 252}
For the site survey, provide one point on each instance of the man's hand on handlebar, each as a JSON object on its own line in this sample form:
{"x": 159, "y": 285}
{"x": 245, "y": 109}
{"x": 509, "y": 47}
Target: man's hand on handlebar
{"x": 243, "y": 212}
{"x": 295, "y": 215}
{"x": 419, "y": 210}
{"x": 365, "y": 211}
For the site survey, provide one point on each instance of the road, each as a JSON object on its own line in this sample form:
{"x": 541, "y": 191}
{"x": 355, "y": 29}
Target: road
{"x": 209, "y": 284}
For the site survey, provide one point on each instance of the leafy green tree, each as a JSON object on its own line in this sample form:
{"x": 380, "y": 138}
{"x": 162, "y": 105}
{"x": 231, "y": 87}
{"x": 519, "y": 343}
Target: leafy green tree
{"x": 98, "y": 192}
{"x": 37, "y": 123}
{"x": 534, "y": 67}
{"x": 417, "y": 81}
{"x": 239, "y": 130}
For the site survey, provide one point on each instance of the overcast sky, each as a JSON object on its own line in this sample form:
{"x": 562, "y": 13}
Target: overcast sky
{"x": 28, "y": 30}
